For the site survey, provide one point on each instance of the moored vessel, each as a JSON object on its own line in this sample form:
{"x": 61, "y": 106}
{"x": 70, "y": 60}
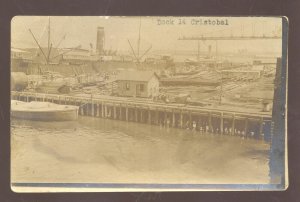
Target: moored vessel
{"x": 43, "y": 111}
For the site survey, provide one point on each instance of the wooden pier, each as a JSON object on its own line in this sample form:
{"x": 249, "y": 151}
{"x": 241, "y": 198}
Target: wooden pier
{"x": 204, "y": 120}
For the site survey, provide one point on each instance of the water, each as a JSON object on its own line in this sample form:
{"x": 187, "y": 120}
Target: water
{"x": 93, "y": 150}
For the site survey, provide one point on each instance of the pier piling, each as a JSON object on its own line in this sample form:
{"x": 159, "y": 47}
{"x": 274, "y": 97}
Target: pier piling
{"x": 233, "y": 125}
{"x": 221, "y": 123}
{"x": 126, "y": 113}
{"x": 149, "y": 116}
{"x": 254, "y": 125}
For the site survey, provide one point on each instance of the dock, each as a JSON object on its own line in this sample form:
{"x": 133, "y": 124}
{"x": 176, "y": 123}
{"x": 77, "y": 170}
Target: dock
{"x": 220, "y": 121}
{"x": 185, "y": 81}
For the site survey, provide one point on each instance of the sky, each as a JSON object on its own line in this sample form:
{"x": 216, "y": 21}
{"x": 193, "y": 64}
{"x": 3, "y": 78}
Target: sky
{"x": 118, "y": 30}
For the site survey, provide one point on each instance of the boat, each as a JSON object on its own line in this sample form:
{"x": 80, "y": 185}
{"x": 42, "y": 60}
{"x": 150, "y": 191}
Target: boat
{"x": 43, "y": 111}
{"x": 53, "y": 87}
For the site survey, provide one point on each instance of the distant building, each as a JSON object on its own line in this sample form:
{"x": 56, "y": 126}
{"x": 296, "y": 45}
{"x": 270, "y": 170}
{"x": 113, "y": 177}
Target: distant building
{"x": 20, "y": 54}
{"x": 137, "y": 84}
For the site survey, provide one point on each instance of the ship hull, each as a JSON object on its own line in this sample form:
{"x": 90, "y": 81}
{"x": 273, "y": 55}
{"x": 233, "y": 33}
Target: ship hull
{"x": 70, "y": 113}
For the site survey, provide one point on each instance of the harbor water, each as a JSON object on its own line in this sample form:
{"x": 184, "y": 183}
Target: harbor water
{"x": 95, "y": 150}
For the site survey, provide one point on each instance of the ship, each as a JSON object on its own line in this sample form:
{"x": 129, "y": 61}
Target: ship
{"x": 43, "y": 111}
{"x": 77, "y": 61}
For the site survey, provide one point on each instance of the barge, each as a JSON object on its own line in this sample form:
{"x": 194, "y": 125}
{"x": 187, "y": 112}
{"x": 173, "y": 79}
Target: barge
{"x": 43, "y": 111}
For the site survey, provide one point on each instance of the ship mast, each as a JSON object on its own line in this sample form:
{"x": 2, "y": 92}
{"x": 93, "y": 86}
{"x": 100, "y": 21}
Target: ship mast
{"x": 49, "y": 43}
{"x": 139, "y": 42}
{"x": 48, "y": 37}
{"x": 137, "y": 55}
{"x": 38, "y": 45}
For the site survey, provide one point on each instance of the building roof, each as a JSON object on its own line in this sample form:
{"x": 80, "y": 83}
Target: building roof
{"x": 135, "y": 75}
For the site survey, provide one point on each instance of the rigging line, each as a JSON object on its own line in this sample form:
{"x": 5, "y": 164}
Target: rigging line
{"x": 133, "y": 51}
{"x": 48, "y": 36}
{"x": 43, "y": 32}
{"x": 48, "y": 57}
{"x": 139, "y": 39}
{"x": 145, "y": 52}
{"x": 63, "y": 38}
{"x": 41, "y": 36}
{"x": 38, "y": 45}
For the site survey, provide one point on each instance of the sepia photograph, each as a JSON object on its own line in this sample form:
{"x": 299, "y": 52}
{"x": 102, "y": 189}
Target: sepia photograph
{"x": 115, "y": 103}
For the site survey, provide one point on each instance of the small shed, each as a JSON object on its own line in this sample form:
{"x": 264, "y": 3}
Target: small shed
{"x": 137, "y": 84}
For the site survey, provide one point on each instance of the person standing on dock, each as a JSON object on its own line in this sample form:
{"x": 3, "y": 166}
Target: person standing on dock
{"x": 187, "y": 125}
{"x": 194, "y": 125}
{"x": 206, "y": 128}
{"x": 168, "y": 123}
{"x": 226, "y": 131}
{"x": 201, "y": 130}
{"x": 243, "y": 134}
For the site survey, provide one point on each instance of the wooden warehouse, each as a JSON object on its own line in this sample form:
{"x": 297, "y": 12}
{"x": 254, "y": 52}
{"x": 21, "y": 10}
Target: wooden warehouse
{"x": 137, "y": 84}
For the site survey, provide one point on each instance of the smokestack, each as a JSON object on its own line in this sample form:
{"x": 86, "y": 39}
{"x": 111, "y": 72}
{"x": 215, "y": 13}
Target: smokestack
{"x": 100, "y": 40}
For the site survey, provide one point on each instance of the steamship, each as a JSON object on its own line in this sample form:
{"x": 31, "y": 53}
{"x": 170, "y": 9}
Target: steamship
{"x": 76, "y": 60}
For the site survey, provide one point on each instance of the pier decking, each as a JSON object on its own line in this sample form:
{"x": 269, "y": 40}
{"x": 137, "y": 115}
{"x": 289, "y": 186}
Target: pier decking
{"x": 219, "y": 120}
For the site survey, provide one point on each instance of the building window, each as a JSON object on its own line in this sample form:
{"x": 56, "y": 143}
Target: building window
{"x": 142, "y": 87}
{"x": 127, "y": 86}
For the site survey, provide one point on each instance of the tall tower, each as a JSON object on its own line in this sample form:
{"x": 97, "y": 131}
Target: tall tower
{"x": 100, "y": 40}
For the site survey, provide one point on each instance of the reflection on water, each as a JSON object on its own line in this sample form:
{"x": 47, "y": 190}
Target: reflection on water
{"x": 100, "y": 150}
